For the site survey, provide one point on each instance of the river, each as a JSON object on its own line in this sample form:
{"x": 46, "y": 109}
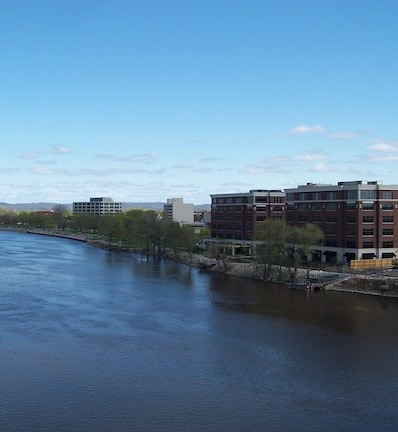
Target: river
{"x": 100, "y": 341}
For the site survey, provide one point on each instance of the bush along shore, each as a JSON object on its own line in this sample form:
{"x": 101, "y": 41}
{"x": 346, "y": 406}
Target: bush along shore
{"x": 384, "y": 285}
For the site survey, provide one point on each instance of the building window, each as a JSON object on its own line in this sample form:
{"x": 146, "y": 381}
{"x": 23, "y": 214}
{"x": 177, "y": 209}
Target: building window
{"x": 278, "y": 209}
{"x": 387, "y": 195}
{"x": 316, "y": 196}
{"x": 367, "y": 219}
{"x": 290, "y": 196}
{"x": 331, "y": 243}
{"x": 367, "y": 231}
{"x": 261, "y": 208}
{"x": 316, "y": 219}
{"x": 303, "y": 207}
{"x": 388, "y": 231}
{"x": 368, "y": 194}
{"x": 302, "y": 197}
{"x": 368, "y": 206}
{"x": 260, "y": 218}
{"x": 388, "y": 244}
{"x": 277, "y": 199}
{"x": 351, "y": 206}
{"x": 331, "y": 207}
{"x": 388, "y": 206}
{"x": 351, "y": 194}
{"x": 261, "y": 199}
{"x": 331, "y": 196}
{"x": 351, "y": 244}
{"x": 331, "y": 230}
{"x": 367, "y": 244}
{"x": 351, "y": 219}
{"x": 303, "y": 218}
{"x": 388, "y": 218}
{"x": 331, "y": 218}
{"x": 317, "y": 207}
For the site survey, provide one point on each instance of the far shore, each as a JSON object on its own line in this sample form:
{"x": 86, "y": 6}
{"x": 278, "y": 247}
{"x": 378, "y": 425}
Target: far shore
{"x": 384, "y": 285}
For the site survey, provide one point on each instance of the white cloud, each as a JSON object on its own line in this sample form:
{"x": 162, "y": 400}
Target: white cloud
{"x": 273, "y": 164}
{"x": 32, "y": 155}
{"x": 41, "y": 171}
{"x": 314, "y": 156}
{"x": 143, "y": 157}
{"x": 321, "y": 168}
{"x": 304, "y": 129}
{"x": 61, "y": 150}
{"x": 383, "y": 146}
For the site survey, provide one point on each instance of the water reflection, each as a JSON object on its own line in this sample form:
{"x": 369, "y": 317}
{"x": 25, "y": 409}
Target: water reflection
{"x": 339, "y": 311}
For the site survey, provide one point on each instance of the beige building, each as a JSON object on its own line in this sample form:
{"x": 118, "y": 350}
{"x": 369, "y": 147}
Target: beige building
{"x": 176, "y": 210}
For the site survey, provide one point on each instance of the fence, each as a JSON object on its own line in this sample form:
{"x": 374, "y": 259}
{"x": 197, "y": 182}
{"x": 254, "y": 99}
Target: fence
{"x": 371, "y": 263}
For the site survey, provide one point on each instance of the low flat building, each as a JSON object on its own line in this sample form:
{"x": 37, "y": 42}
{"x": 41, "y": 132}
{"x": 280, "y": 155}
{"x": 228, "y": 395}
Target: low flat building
{"x": 97, "y": 206}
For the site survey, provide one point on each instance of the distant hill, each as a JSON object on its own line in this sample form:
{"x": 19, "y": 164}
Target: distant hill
{"x": 125, "y": 206}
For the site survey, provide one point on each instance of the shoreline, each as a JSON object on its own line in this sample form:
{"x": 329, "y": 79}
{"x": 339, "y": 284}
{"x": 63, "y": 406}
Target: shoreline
{"x": 381, "y": 286}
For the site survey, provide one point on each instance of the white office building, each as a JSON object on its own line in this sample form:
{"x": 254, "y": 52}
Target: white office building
{"x": 97, "y": 206}
{"x": 176, "y": 210}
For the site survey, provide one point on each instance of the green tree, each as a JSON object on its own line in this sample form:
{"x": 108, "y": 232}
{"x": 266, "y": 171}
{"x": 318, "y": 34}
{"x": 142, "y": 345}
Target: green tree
{"x": 271, "y": 237}
{"x": 59, "y": 214}
{"x": 148, "y": 228}
{"x": 301, "y": 241}
{"x": 110, "y": 226}
{"x": 7, "y": 216}
{"x": 86, "y": 222}
{"x": 188, "y": 239}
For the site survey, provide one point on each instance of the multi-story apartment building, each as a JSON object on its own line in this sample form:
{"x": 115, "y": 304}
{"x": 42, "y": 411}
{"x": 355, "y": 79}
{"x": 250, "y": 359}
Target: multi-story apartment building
{"x": 234, "y": 216}
{"x": 176, "y": 210}
{"x": 97, "y": 206}
{"x": 359, "y": 218}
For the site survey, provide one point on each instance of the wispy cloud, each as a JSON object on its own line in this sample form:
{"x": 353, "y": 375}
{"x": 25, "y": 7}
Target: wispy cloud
{"x": 381, "y": 151}
{"x": 314, "y": 156}
{"x": 322, "y": 168}
{"x": 304, "y": 129}
{"x": 135, "y": 158}
{"x": 384, "y": 146}
{"x": 273, "y": 164}
{"x": 61, "y": 150}
{"x": 209, "y": 159}
{"x": 41, "y": 170}
{"x": 32, "y": 155}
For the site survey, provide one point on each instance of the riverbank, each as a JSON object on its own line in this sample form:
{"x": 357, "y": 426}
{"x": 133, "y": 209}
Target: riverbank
{"x": 382, "y": 285}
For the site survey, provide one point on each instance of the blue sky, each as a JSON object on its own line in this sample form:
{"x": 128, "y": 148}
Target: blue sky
{"x": 154, "y": 99}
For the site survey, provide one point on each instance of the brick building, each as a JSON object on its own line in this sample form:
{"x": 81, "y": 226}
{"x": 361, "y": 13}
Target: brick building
{"x": 359, "y": 218}
{"x": 234, "y": 216}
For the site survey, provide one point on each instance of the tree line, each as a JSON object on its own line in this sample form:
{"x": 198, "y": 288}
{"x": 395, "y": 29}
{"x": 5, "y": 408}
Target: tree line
{"x": 133, "y": 228}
